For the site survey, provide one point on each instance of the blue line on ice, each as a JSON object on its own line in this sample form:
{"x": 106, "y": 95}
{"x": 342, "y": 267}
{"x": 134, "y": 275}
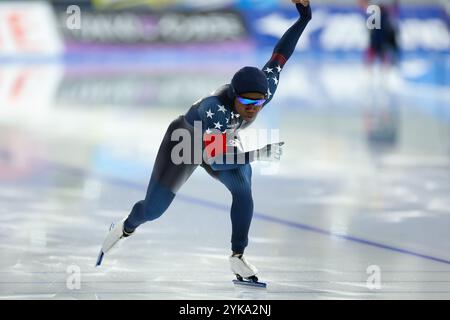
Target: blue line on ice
{"x": 257, "y": 215}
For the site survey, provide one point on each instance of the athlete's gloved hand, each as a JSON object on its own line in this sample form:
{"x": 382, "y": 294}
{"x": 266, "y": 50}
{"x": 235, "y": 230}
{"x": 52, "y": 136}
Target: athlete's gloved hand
{"x": 271, "y": 152}
{"x": 303, "y": 8}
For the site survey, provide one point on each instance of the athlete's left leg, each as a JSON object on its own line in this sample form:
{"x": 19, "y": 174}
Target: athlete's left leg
{"x": 239, "y": 182}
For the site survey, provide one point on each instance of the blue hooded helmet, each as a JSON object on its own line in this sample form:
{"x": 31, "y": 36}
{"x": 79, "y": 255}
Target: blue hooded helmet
{"x": 250, "y": 79}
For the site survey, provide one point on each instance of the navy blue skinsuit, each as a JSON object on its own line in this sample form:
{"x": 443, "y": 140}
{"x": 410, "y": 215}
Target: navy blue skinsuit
{"x": 216, "y": 113}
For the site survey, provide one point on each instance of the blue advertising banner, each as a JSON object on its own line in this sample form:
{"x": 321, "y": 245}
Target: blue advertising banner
{"x": 338, "y": 29}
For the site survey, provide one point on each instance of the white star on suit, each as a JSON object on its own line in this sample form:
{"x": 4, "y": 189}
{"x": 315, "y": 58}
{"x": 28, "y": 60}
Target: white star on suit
{"x": 208, "y": 131}
{"x": 232, "y": 115}
{"x": 269, "y": 93}
{"x": 279, "y": 69}
{"x": 269, "y": 70}
{"x": 237, "y": 115}
{"x": 209, "y": 114}
{"x": 228, "y": 120}
{"x": 222, "y": 109}
{"x": 218, "y": 125}
{"x": 275, "y": 80}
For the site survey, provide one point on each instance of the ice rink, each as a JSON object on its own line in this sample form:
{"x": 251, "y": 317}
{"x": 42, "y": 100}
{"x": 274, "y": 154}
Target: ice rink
{"x": 363, "y": 185}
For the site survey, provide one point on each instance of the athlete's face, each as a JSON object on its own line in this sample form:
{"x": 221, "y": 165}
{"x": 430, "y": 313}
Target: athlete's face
{"x": 248, "y": 112}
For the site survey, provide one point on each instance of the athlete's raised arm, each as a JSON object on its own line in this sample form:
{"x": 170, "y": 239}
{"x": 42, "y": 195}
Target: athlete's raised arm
{"x": 286, "y": 46}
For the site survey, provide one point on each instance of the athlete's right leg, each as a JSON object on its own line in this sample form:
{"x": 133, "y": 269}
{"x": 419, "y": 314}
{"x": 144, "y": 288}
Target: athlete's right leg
{"x": 157, "y": 201}
{"x": 167, "y": 178}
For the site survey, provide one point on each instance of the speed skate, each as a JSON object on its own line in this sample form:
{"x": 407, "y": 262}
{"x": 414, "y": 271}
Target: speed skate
{"x": 249, "y": 282}
{"x": 245, "y": 272}
{"x": 115, "y": 234}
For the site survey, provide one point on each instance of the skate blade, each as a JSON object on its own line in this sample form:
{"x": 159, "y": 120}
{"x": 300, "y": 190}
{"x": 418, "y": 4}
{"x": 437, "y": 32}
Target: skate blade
{"x": 99, "y": 259}
{"x": 251, "y": 284}
{"x": 102, "y": 254}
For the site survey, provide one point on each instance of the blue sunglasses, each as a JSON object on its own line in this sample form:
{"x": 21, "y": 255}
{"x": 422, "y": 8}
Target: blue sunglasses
{"x": 251, "y": 102}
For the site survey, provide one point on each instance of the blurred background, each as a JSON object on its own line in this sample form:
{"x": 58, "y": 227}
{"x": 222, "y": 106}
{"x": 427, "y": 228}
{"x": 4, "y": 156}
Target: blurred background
{"x": 106, "y": 55}
{"x": 88, "y": 88}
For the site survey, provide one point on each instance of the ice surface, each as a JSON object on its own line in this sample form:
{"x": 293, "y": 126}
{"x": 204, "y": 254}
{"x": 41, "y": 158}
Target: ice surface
{"x": 364, "y": 181}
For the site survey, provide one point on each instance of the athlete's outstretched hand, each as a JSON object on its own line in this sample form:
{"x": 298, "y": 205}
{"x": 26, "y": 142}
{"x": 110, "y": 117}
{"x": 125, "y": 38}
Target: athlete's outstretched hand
{"x": 303, "y": 8}
{"x": 271, "y": 152}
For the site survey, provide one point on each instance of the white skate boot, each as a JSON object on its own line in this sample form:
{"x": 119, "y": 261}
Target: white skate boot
{"x": 245, "y": 272}
{"x": 116, "y": 233}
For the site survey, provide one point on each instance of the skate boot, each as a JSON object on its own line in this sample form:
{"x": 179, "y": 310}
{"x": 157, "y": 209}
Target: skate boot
{"x": 116, "y": 233}
{"x": 245, "y": 272}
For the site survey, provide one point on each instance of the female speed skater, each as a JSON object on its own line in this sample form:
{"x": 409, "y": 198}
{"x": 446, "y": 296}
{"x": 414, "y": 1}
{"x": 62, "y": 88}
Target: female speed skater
{"x": 232, "y": 107}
